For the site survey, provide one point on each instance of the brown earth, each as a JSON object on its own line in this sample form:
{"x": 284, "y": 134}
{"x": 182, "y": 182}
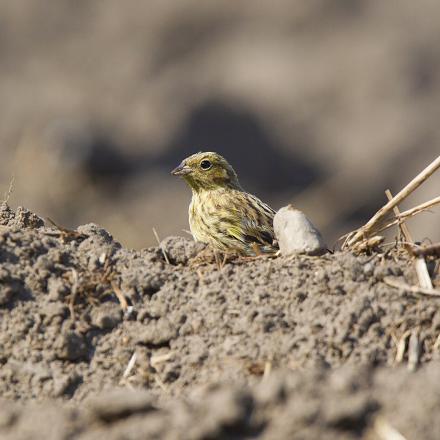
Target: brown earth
{"x": 278, "y": 348}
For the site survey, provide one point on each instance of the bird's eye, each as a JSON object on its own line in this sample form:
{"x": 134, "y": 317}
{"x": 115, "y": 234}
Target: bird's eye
{"x": 205, "y": 164}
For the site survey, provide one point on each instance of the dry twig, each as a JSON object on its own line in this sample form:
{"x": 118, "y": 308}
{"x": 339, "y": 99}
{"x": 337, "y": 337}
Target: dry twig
{"x": 160, "y": 358}
{"x": 368, "y": 244}
{"x": 413, "y": 350}
{"x": 413, "y": 289}
{"x": 65, "y": 233}
{"x": 10, "y": 189}
{"x": 423, "y": 273}
{"x": 371, "y": 226}
{"x": 420, "y": 263}
{"x": 402, "y": 225}
{"x": 121, "y": 297}
{"x": 267, "y": 370}
{"x": 401, "y": 346}
{"x": 164, "y": 253}
{"x": 411, "y": 212}
{"x": 130, "y": 366}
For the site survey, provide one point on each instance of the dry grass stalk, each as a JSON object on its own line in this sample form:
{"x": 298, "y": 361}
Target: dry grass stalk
{"x": 368, "y": 244}
{"x": 267, "y": 370}
{"x": 164, "y": 253}
{"x": 420, "y": 263}
{"x": 401, "y": 347}
{"x": 161, "y": 358}
{"x": 64, "y": 233}
{"x": 413, "y": 350}
{"x": 10, "y": 190}
{"x": 121, "y": 298}
{"x": 411, "y": 212}
{"x": 402, "y": 225}
{"x": 423, "y": 273}
{"x": 422, "y": 207}
{"x": 413, "y": 289}
{"x": 370, "y": 227}
{"x": 130, "y": 366}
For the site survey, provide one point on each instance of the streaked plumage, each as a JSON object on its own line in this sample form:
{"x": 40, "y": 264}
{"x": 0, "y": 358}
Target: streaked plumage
{"x": 221, "y": 213}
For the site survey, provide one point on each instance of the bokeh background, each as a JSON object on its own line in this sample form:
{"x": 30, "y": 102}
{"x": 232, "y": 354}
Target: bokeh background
{"x": 317, "y": 103}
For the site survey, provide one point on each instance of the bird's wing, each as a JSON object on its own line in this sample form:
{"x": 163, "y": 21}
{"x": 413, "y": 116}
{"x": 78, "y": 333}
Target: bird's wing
{"x": 256, "y": 223}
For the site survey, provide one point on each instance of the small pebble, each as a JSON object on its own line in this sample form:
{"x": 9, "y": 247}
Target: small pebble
{"x": 296, "y": 233}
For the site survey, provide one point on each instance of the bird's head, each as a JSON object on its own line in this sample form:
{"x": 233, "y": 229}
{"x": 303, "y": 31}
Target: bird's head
{"x": 207, "y": 171}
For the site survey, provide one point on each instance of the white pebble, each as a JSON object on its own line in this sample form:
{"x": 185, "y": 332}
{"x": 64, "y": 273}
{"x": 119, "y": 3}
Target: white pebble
{"x": 296, "y": 233}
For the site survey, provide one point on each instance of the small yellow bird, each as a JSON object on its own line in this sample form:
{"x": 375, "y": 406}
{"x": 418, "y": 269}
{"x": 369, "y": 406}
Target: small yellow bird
{"x": 221, "y": 213}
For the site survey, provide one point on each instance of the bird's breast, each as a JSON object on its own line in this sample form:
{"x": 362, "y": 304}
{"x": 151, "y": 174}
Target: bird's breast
{"x": 202, "y": 215}
{"x": 197, "y": 218}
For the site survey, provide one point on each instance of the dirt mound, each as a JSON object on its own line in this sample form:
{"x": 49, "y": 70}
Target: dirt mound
{"x": 321, "y": 104}
{"x": 266, "y": 347}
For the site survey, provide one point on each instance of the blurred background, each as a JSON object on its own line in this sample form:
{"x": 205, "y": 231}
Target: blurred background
{"x": 316, "y": 103}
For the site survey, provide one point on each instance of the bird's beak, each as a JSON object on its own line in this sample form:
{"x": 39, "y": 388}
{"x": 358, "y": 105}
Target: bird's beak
{"x": 181, "y": 170}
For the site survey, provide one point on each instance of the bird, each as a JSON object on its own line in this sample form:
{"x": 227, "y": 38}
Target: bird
{"x": 221, "y": 213}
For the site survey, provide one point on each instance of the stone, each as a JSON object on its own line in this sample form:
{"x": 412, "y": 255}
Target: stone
{"x": 296, "y": 234}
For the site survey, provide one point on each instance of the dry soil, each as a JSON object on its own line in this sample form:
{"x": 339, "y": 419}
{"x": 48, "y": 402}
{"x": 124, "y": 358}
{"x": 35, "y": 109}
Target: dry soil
{"x": 272, "y": 348}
